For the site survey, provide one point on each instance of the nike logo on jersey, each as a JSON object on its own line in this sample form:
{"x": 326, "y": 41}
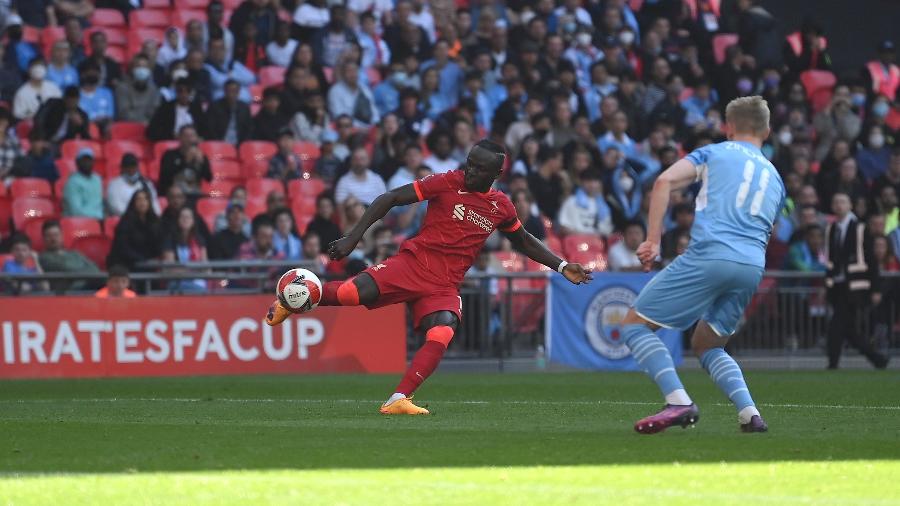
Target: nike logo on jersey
{"x": 462, "y": 192}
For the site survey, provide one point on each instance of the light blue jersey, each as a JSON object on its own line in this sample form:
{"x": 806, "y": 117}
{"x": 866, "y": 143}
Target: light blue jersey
{"x": 738, "y": 203}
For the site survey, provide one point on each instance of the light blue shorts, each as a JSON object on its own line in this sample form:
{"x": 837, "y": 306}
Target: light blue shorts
{"x": 691, "y": 289}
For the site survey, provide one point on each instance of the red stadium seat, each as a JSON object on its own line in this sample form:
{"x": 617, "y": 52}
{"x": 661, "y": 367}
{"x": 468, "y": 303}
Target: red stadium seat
{"x": 70, "y": 148}
{"x": 114, "y": 150}
{"x": 307, "y": 151}
{"x": 23, "y": 129}
{"x": 95, "y": 248}
{"x": 208, "y": 209}
{"x": 137, "y": 36}
{"x": 109, "y": 226}
{"x": 149, "y": 18}
{"x": 255, "y": 207}
{"x": 49, "y": 35}
{"x": 311, "y": 187}
{"x": 256, "y": 93}
{"x": 31, "y": 34}
{"x": 218, "y": 150}
{"x": 5, "y": 216}
{"x": 114, "y": 36}
{"x": 75, "y": 227}
{"x": 58, "y": 188}
{"x": 181, "y": 18}
{"x": 582, "y": 243}
{"x": 554, "y": 244}
{"x": 264, "y": 186}
{"x": 218, "y": 188}
{"x": 128, "y": 130}
{"x": 156, "y": 4}
{"x": 255, "y": 168}
{"x": 303, "y": 222}
{"x": 191, "y": 4}
{"x": 32, "y": 229}
{"x": 511, "y": 261}
{"x": 30, "y": 187}
{"x": 271, "y": 76}
{"x": 226, "y": 169}
{"x": 721, "y": 43}
{"x": 594, "y": 260}
{"x": 160, "y": 148}
{"x": 257, "y": 150}
{"x": 65, "y": 167}
{"x": 118, "y": 55}
{"x": 819, "y": 85}
{"x": 107, "y": 17}
{"x": 303, "y": 207}
{"x": 29, "y": 208}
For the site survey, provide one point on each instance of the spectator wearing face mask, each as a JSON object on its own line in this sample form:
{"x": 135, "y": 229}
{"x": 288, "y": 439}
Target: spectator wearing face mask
{"x": 137, "y": 95}
{"x": 35, "y": 92}
{"x": 122, "y": 187}
{"x": 19, "y": 53}
{"x": 96, "y": 100}
{"x": 874, "y": 156}
{"x": 109, "y": 70}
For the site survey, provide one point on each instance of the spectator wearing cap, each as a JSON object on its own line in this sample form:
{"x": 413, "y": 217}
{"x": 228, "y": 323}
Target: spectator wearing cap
{"x": 170, "y": 117}
{"x": 83, "y": 192}
{"x": 228, "y": 117}
{"x": 221, "y": 71}
{"x": 270, "y": 119}
{"x": 116, "y": 285}
{"x": 348, "y": 96}
{"x": 285, "y": 164}
{"x": 137, "y": 96}
{"x": 586, "y": 210}
{"x": 55, "y": 258}
{"x": 123, "y": 186}
{"x": 184, "y": 165}
{"x": 19, "y": 53}
{"x": 35, "y": 92}
{"x": 883, "y": 74}
{"x": 549, "y": 183}
{"x": 360, "y": 182}
{"x": 109, "y": 70}
{"x": 96, "y": 100}
{"x": 60, "y": 71}
{"x": 61, "y": 119}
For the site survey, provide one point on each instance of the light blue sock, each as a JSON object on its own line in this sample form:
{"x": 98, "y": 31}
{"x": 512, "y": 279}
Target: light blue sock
{"x": 728, "y": 377}
{"x": 653, "y": 356}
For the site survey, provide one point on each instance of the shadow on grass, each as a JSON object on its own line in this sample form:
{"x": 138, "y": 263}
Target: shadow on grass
{"x": 311, "y": 422}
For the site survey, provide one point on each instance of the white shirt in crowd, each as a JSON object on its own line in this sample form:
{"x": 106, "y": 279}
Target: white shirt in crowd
{"x": 425, "y": 20}
{"x": 620, "y": 257}
{"x": 377, "y": 7}
{"x": 583, "y": 220}
{"x": 182, "y": 117}
{"x": 402, "y": 177}
{"x": 281, "y": 55}
{"x": 366, "y": 188}
{"x": 28, "y": 99}
{"x": 311, "y": 16}
{"x": 119, "y": 192}
{"x": 439, "y": 166}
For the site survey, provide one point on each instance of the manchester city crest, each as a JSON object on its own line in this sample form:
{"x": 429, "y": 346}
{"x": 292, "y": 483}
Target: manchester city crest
{"x": 603, "y": 321}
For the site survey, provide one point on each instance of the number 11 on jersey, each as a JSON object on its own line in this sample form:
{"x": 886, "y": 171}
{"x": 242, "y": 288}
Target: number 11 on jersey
{"x": 744, "y": 189}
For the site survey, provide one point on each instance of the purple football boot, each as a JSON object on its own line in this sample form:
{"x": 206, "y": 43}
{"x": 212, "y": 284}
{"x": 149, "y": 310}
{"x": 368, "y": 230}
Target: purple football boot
{"x": 669, "y": 416}
{"x": 756, "y": 424}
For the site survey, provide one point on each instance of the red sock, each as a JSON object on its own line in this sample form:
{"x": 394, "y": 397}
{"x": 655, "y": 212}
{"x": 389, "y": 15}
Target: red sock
{"x": 426, "y": 359}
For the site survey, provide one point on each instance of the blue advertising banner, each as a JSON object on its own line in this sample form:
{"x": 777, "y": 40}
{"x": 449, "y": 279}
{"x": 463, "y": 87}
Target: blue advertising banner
{"x": 584, "y": 322}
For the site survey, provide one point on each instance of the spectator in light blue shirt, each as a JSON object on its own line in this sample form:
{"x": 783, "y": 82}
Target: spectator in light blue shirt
{"x": 60, "y": 71}
{"x": 618, "y": 138}
{"x": 387, "y": 92}
{"x": 698, "y": 103}
{"x": 451, "y": 75}
{"x": 473, "y": 87}
{"x": 600, "y": 88}
{"x": 220, "y": 70}
{"x": 97, "y": 101}
{"x": 83, "y": 192}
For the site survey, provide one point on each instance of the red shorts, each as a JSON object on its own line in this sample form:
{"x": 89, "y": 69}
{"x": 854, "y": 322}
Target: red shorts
{"x": 399, "y": 280}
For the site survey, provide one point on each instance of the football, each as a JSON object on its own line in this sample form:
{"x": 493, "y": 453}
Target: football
{"x": 299, "y": 290}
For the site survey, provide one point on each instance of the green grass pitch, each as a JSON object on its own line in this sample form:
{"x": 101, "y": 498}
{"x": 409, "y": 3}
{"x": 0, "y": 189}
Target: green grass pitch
{"x": 548, "y": 438}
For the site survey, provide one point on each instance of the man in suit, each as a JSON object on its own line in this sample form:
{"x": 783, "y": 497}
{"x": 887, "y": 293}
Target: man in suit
{"x": 851, "y": 280}
{"x": 61, "y": 119}
{"x": 228, "y": 118}
{"x": 170, "y": 116}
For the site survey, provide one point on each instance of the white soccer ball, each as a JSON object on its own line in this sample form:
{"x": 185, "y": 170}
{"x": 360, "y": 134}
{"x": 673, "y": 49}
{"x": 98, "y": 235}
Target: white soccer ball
{"x": 299, "y": 290}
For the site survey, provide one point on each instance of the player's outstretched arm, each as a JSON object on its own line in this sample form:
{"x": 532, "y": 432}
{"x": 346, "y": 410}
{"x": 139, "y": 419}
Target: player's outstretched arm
{"x": 530, "y": 246}
{"x": 677, "y": 177}
{"x": 401, "y": 196}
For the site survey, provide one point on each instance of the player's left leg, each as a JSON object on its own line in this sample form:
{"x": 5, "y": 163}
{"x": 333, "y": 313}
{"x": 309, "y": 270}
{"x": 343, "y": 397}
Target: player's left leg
{"x": 359, "y": 290}
{"x": 439, "y": 328}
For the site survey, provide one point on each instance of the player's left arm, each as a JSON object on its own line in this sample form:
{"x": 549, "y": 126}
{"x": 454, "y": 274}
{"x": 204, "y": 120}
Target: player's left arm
{"x": 401, "y": 196}
{"x": 537, "y": 251}
{"x": 677, "y": 177}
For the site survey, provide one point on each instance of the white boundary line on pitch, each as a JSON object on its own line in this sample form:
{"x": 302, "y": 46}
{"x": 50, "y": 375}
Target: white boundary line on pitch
{"x": 370, "y": 401}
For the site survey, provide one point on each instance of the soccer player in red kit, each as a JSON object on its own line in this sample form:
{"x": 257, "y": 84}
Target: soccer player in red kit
{"x": 463, "y": 211}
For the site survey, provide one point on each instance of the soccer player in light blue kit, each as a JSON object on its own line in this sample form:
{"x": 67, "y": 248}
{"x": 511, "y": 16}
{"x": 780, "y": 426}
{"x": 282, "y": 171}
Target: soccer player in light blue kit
{"x": 713, "y": 281}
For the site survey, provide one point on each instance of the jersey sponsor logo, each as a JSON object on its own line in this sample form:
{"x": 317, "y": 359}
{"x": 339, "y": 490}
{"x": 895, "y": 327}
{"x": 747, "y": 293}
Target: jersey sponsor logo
{"x": 378, "y": 267}
{"x": 459, "y": 212}
{"x": 484, "y": 223}
{"x": 603, "y": 321}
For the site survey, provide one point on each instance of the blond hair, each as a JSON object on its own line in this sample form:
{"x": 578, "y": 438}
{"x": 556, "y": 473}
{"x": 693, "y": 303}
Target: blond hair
{"x": 748, "y": 115}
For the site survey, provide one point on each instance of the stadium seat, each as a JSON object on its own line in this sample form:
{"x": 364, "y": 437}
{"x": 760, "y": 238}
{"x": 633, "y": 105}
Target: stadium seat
{"x": 592, "y": 259}
{"x": 255, "y": 207}
{"x": 218, "y": 150}
{"x": 191, "y": 4}
{"x": 226, "y": 169}
{"x": 181, "y": 17}
{"x": 70, "y": 148}
{"x": 156, "y": 4}
{"x": 118, "y": 55}
{"x": 510, "y": 261}
{"x": 107, "y": 17}
{"x": 5, "y": 216}
{"x": 263, "y": 186}
{"x": 256, "y": 94}
{"x": 218, "y": 188}
{"x": 255, "y": 168}
{"x": 819, "y": 85}
{"x": 23, "y": 129}
{"x": 303, "y": 207}
{"x": 128, "y": 130}
{"x": 74, "y": 227}
{"x": 311, "y": 187}
{"x": 109, "y": 226}
{"x": 303, "y": 221}
{"x": 30, "y": 187}
{"x": 137, "y": 36}
{"x": 65, "y": 167}
{"x": 209, "y": 208}
{"x": 307, "y": 151}
{"x": 271, "y": 76}
{"x": 795, "y": 41}
{"x": 32, "y": 229}
{"x": 583, "y": 243}
{"x": 31, "y": 34}
{"x": 114, "y": 150}
{"x": 149, "y": 18}
{"x": 721, "y": 43}
{"x": 29, "y": 208}
{"x": 161, "y": 147}
{"x": 257, "y": 150}
{"x": 554, "y": 244}
{"x": 95, "y": 248}
{"x": 49, "y": 35}
{"x": 114, "y": 36}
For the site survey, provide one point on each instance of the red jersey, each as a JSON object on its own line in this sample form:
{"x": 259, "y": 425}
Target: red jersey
{"x": 456, "y": 225}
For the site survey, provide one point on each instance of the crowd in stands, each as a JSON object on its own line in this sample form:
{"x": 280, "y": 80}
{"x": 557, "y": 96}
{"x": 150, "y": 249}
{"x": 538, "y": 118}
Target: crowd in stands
{"x": 189, "y": 130}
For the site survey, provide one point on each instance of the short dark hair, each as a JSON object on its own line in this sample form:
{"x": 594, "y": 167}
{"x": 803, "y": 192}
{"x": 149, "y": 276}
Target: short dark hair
{"x": 48, "y": 225}
{"x": 635, "y": 223}
{"x": 19, "y": 238}
{"x": 681, "y": 209}
{"x": 118, "y": 271}
{"x": 260, "y": 222}
{"x": 591, "y": 175}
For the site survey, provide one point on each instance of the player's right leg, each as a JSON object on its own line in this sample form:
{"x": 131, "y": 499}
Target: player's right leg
{"x": 360, "y": 290}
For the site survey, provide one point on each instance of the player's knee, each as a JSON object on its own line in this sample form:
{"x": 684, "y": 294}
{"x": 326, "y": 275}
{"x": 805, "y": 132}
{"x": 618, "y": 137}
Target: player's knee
{"x": 366, "y": 288}
{"x": 348, "y": 294}
{"x": 441, "y": 334}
